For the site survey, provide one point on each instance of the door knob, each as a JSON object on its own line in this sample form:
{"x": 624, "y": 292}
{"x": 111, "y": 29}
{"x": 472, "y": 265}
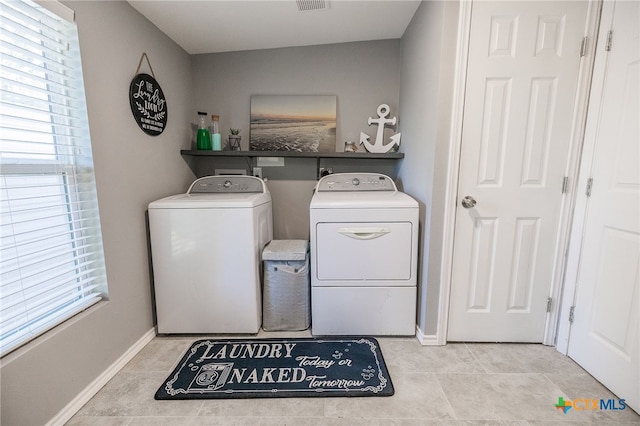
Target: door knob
{"x": 468, "y": 202}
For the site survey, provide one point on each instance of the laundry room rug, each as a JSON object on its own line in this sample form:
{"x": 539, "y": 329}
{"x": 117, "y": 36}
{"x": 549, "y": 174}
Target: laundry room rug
{"x": 268, "y": 368}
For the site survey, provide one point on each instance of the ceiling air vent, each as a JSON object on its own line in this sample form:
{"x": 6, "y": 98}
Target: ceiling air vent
{"x": 306, "y": 5}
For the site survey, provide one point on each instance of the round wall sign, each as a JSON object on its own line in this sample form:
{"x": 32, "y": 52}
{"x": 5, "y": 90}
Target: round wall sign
{"x": 148, "y": 105}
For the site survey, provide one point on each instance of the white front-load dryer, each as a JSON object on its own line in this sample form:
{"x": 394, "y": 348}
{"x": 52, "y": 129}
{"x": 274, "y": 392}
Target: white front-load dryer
{"x": 364, "y": 245}
{"x": 206, "y": 248}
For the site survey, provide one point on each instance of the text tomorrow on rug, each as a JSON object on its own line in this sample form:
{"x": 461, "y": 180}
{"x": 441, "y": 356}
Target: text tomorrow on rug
{"x": 260, "y": 368}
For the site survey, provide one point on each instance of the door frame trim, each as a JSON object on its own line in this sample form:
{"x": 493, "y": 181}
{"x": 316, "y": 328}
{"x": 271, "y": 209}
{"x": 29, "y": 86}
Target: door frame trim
{"x": 572, "y": 169}
{"x": 574, "y": 247}
{"x": 453, "y": 167}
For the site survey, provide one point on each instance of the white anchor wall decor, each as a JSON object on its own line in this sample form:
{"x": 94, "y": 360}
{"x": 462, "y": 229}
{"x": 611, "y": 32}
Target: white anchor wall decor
{"x": 379, "y": 146}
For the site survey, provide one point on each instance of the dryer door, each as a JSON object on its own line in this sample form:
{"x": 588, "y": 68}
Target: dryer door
{"x": 364, "y": 252}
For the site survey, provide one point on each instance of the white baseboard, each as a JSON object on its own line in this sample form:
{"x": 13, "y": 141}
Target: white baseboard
{"x": 90, "y": 391}
{"x": 427, "y": 339}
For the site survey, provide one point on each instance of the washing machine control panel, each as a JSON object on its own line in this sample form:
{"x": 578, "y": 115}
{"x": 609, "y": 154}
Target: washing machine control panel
{"x": 222, "y": 184}
{"x": 356, "y": 182}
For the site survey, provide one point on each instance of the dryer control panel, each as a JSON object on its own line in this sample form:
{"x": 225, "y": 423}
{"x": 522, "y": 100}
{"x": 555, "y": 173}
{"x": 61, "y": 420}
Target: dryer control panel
{"x": 342, "y": 182}
{"x": 227, "y": 184}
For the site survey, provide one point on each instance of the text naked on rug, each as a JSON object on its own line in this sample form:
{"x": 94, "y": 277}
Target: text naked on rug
{"x": 263, "y": 368}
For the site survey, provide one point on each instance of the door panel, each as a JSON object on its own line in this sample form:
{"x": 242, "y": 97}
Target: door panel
{"x": 522, "y": 271}
{"x": 482, "y": 264}
{"x": 605, "y": 334}
{"x": 524, "y": 61}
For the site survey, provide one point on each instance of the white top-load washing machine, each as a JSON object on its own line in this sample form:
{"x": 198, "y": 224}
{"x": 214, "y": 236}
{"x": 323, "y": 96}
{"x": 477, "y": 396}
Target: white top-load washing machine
{"x": 364, "y": 244}
{"x": 206, "y": 248}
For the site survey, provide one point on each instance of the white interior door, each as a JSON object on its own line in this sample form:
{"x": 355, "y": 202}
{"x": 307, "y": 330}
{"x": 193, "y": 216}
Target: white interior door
{"x": 605, "y": 333}
{"x": 523, "y": 69}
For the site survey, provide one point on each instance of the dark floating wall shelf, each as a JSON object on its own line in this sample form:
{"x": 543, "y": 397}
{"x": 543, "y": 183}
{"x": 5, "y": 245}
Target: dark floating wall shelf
{"x": 291, "y": 154}
{"x": 201, "y": 162}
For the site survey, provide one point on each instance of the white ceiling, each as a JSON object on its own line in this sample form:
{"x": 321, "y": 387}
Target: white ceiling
{"x": 224, "y": 26}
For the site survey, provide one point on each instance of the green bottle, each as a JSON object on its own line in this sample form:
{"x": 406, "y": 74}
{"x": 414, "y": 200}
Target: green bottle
{"x": 203, "y": 137}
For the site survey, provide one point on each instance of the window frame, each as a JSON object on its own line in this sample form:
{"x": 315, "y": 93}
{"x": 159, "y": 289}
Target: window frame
{"x": 82, "y": 281}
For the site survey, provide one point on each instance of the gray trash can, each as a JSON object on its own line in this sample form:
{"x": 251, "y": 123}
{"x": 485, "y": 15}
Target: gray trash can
{"x": 286, "y": 296}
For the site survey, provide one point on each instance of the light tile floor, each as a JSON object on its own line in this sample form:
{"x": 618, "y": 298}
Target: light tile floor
{"x": 456, "y": 384}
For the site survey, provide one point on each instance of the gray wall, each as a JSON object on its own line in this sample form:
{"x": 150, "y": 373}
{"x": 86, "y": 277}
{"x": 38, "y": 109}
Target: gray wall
{"x": 362, "y": 75}
{"x": 132, "y": 169}
{"x": 428, "y": 48}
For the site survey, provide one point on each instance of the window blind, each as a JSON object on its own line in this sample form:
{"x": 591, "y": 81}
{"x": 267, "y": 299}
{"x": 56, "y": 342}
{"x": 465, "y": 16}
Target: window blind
{"x": 51, "y": 255}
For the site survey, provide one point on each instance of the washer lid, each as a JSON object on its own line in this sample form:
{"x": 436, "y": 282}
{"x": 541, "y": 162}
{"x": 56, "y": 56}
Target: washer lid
{"x": 212, "y": 201}
{"x": 362, "y": 200}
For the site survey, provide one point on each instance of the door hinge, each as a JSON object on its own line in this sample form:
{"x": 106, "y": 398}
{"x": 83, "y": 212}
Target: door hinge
{"x": 572, "y": 314}
{"x": 565, "y": 184}
{"x": 549, "y": 299}
{"x": 589, "y": 186}
{"x": 583, "y": 46}
{"x": 607, "y": 46}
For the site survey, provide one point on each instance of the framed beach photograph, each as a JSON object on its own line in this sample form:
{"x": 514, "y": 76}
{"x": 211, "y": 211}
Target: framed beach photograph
{"x": 300, "y": 123}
